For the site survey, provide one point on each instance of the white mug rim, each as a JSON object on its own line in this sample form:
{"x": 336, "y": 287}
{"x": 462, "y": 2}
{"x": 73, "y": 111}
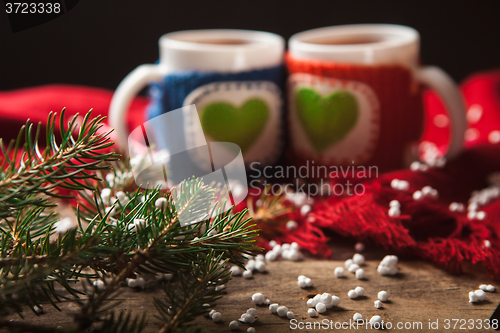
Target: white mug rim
{"x": 257, "y": 40}
{"x": 300, "y": 45}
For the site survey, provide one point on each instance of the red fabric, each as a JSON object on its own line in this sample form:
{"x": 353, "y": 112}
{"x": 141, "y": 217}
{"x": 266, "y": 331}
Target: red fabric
{"x": 426, "y": 229}
{"x": 35, "y": 103}
{"x": 399, "y": 95}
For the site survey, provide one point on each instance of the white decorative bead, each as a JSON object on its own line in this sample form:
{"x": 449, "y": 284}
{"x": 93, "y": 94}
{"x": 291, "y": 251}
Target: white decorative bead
{"x": 339, "y": 271}
{"x": 321, "y": 307}
{"x": 290, "y": 315}
{"x": 357, "y": 317}
{"x": 360, "y": 274}
{"x": 394, "y": 212}
{"x": 358, "y": 259}
{"x": 353, "y": 268}
{"x": 312, "y": 313}
{"x": 258, "y": 298}
{"x": 99, "y": 285}
{"x": 352, "y": 294}
{"x": 375, "y": 321}
{"x": 490, "y": 288}
{"x": 282, "y": 311}
{"x": 250, "y": 330}
{"x": 378, "y": 304}
{"x": 273, "y": 307}
{"x": 383, "y": 296}
{"x": 348, "y": 263}
{"x": 236, "y": 271}
{"x": 247, "y": 274}
{"x": 216, "y": 317}
{"x": 481, "y": 295}
{"x": 359, "y": 247}
{"x": 161, "y": 203}
{"x": 417, "y": 195}
{"x": 360, "y": 291}
{"x": 291, "y": 225}
{"x": 473, "y": 297}
{"x": 234, "y": 326}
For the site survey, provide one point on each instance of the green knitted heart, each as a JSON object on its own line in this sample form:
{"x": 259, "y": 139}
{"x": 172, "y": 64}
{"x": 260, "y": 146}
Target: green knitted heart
{"x": 326, "y": 120}
{"x": 224, "y": 122}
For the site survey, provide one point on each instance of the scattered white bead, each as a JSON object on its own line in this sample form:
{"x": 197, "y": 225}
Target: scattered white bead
{"x": 490, "y": 288}
{"x": 234, "y": 326}
{"x": 394, "y": 212}
{"x": 473, "y": 297}
{"x": 273, "y": 307}
{"x": 353, "y": 268}
{"x": 360, "y": 274}
{"x": 357, "y": 317}
{"x": 487, "y": 243}
{"x": 339, "y": 272}
{"x": 311, "y": 302}
{"x": 358, "y": 259}
{"x": 282, "y": 311}
{"x": 383, "y": 270}
{"x": 326, "y": 298}
{"x": 417, "y": 195}
{"x": 471, "y": 215}
{"x": 259, "y": 257}
{"x": 258, "y": 298}
{"x": 250, "y": 330}
{"x": 403, "y": 185}
{"x": 483, "y": 287}
{"x": 378, "y": 304}
{"x": 304, "y": 210}
{"x": 348, "y": 263}
{"x": 395, "y": 184}
{"x": 383, "y": 296}
{"x": 426, "y": 190}
{"x": 481, "y": 295}
{"x": 290, "y": 315}
{"x": 359, "y": 247}
{"x": 221, "y": 287}
{"x": 360, "y": 291}
{"x": 252, "y": 311}
{"x": 236, "y": 271}
{"x": 375, "y": 321}
{"x": 272, "y": 243}
{"x": 271, "y": 256}
{"x": 247, "y": 318}
{"x": 99, "y": 285}
{"x": 216, "y": 317}
{"x": 291, "y": 225}
{"x": 268, "y": 301}
{"x": 456, "y": 207}
{"x": 250, "y": 265}
{"x": 335, "y": 301}
{"x": 481, "y": 215}
{"x": 247, "y": 274}
{"x": 161, "y": 203}
{"x": 260, "y": 266}
{"x": 308, "y": 282}
{"x": 312, "y": 313}
{"x": 302, "y": 284}
{"x": 352, "y": 294}
{"x": 321, "y": 307}
{"x": 138, "y": 282}
{"x": 389, "y": 261}
{"x": 415, "y": 166}
{"x": 394, "y": 203}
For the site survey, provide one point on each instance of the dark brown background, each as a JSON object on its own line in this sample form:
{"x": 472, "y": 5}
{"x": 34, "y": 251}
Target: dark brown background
{"x": 99, "y": 41}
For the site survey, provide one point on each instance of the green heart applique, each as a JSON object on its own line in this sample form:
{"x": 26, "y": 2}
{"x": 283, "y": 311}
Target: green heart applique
{"x": 224, "y": 122}
{"x": 326, "y": 120}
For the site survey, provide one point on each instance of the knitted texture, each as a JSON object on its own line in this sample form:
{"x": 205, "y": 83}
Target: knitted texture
{"x": 169, "y": 94}
{"x": 401, "y": 110}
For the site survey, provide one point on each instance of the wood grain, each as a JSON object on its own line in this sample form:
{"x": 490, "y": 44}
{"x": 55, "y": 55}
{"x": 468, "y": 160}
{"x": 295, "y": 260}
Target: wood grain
{"x": 421, "y": 292}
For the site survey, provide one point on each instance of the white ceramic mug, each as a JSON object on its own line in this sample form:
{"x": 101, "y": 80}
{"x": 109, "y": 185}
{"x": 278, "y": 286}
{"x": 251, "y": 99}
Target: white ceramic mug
{"x": 211, "y": 51}
{"x": 349, "y": 59}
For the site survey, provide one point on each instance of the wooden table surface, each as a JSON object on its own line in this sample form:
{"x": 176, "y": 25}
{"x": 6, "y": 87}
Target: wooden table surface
{"x": 419, "y": 293}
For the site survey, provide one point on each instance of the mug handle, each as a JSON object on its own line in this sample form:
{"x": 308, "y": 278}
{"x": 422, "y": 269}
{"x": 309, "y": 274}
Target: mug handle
{"x": 125, "y": 92}
{"x": 443, "y": 84}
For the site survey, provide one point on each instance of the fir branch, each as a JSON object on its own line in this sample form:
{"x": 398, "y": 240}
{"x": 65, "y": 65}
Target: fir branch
{"x": 64, "y": 165}
{"x": 198, "y": 289}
